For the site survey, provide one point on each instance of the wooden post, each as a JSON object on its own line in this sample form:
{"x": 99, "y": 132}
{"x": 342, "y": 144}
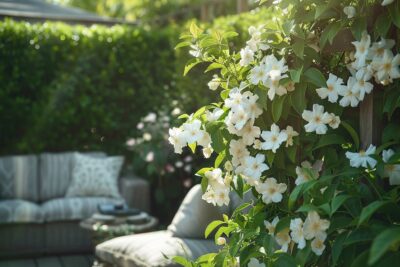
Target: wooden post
{"x": 204, "y": 12}
{"x": 242, "y": 6}
{"x": 367, "y": 121}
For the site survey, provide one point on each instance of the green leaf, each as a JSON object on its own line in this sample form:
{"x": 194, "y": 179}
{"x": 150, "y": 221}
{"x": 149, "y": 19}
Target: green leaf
{"x": 182, "y": 261}
{"x": 295, "y": 195}
{"x": 277, "y": 106}
{"x": 352, "y": 133}
{"x": 394, "y": 10}
{"x": 283, "y": 224}
{"x": 330, "y": 139}
{"x": 333, "y": 31}
{"x": 204, "y": 184}
{"x": 214, "y": 66}
{"x": 193, "y": 62}
{"x": 320, "y": 9}
{"x": 298, "y": 98}
{"x": 211, "y": 227}
{"x": 195, "y": 30}
{"x": 358, "y": 27}
{"x": 315, "y": 77}
{"x": 296, "y": 74}
{"x": 382, "y": 243}
{"x": 219, "y": 159}
{"x": 382, "y": 25}
{"x": 230, "y": 34}
{"x": 360, "y": 260}
{"x": 182, "y": 44}
{"x": 298, "y": 48}
{"x": 337, "y": 247}
{"x": 218, "y": 141}
{"x": 367, "y": 212}
{"x": 192, "y": 147}
{"x": 284, "y": 260}
{"x": 337, "y": 202}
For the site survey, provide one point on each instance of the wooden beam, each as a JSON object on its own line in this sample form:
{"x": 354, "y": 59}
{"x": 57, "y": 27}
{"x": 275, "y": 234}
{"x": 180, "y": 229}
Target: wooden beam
{"x": 242, "y": 6}
{"x": 367, "y": 121}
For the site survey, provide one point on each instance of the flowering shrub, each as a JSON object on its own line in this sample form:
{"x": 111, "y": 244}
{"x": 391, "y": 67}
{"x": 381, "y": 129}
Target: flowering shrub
{"x": 154, "y": 159}
{"x": 286, "y": 131}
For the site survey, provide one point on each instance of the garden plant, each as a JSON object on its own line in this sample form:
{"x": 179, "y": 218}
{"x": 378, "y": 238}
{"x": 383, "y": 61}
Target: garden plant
{"x": 308, "y": 122}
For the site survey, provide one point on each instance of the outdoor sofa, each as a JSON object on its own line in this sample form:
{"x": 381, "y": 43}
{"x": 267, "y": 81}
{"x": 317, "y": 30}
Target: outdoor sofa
{"x": 36, "y": 217}
{"x": 184, "y": 236}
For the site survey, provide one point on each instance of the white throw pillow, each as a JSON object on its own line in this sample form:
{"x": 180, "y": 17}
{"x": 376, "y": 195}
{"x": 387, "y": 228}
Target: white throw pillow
{"x": 95, "y": 176}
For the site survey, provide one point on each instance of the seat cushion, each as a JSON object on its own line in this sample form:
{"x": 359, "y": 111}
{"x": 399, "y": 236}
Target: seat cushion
{"x": 19, "y": 177}
{"x": 20, "y": 211}
{"x": 194, "y": 214}
{"x": 56, "y": 173}
{"x": 145, "y": 250}
{"x": 77, "y": 208}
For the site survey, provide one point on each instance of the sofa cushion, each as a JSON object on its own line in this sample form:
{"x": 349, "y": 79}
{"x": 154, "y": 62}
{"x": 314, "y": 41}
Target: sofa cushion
{"x": 19, "y": 177}
{"x": 20, "y": 211}
{"x": 194, "y": 214}
{"x": 77, "y": 208}
{"x": 95, "y": 176}
{"x": 146, "y": 250}
{"x": 56, "y": 173}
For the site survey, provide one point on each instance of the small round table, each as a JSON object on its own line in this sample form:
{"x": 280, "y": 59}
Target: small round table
{"x": 105, "y": 227}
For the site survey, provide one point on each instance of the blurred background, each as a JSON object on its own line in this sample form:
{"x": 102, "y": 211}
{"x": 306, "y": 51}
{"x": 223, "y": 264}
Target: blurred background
{"x": 103, "y": 75}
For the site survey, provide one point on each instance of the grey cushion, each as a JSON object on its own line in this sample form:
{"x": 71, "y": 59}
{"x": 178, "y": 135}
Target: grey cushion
{"x": 146, "y": 250}
{"x": 194, "y": 215}
{"x": 19, "y": 211}
{"x": 19, "y": 177}
{"x": 56, "y": 173}
{"x": 77, "y": 208}
{"x": 95, "y": 176}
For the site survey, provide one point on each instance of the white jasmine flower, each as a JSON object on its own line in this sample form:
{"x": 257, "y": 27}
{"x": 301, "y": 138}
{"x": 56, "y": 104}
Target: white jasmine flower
{"x": 317, "y": 119}
{"x": 228, "y": 166}
{"x": 195, "y": 50}
{"x": 257, "y": 144}
{"x": 258, "y": 74}
{"x": 235, "y": 101}
{"x": 251, "y": 106}
{"x": 335, "y": 121}
{"x": 273, "y": 139}
{"x": 305, "y": 173}
{"x": 350, "y": 11}
{"x": 273, "y": 84}
{"x": 247, "y": 56}
{"x": 334, "y": 84}
{"x": 151, "y": 117}
{"x": 214, "y": 83}
{"x": 391, "y": 170}
{"x": 271, "y": 225}
{"x": 253, "y": 167}
{"x": 271, "y": 191}
{"x": 238, "y": 151}
{"x": 387, "y": 2}
{"x": 290, "y": 86}
{"x": 290, "y": 134}
{"x": 365, "y": 73}
{"x": 272, "y": 63}
{"x": 149, "y": 156}
{"x": 147, "y": 136}
{"x": 204, "y": 140}
{"x": 362, "y": 158}
{"x": 350, "y": 95}
{"x": 177, "y": 139}
{"x": 317, "y": 245}
{"x": 249, "y": 133}
{"x": 378, "y": 48}
{"x": 214, "y": 115}
{"x": 297, "y": 234}
{"x": 314, "y": 226}
{"x": 238, "y": 118}
{"x": 221, "y": 241}
{"x": 192, "y": 131}
{"x": 283, "y": 239}
{"x": 362, "y": 87}
{"x": 255, "y": 263}
{"x": 222, "y": 196}
{"x": 207, "y": 152}
{"x": 362, "y": 48}
{"x": 386, "y": 67}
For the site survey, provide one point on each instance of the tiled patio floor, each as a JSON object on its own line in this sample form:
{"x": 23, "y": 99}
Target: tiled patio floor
{"x": 51, "y": 261}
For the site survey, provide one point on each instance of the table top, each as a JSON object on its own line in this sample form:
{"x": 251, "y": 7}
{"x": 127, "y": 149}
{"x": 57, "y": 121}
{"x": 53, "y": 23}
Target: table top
{"x": 109, "y": 223}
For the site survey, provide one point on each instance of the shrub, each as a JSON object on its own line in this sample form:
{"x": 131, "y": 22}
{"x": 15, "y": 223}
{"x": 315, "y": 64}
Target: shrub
{"x": 307, "y": 123}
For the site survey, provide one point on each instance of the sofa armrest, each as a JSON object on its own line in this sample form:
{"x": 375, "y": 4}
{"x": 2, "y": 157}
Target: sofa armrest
{"x": 136, "y": 192}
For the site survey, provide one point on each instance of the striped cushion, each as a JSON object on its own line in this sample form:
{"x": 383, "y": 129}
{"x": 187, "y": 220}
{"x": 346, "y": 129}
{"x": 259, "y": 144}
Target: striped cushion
{"x": 146, "y": 250}
{"x": 56, "y": 173}
{"x": 19, "y": 177}
{"x": 19, "y": 211}
{"x": 77, "y": 208}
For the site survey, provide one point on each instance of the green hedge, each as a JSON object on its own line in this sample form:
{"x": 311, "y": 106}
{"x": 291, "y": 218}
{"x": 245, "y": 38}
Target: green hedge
{"x": 67, "y": 88}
